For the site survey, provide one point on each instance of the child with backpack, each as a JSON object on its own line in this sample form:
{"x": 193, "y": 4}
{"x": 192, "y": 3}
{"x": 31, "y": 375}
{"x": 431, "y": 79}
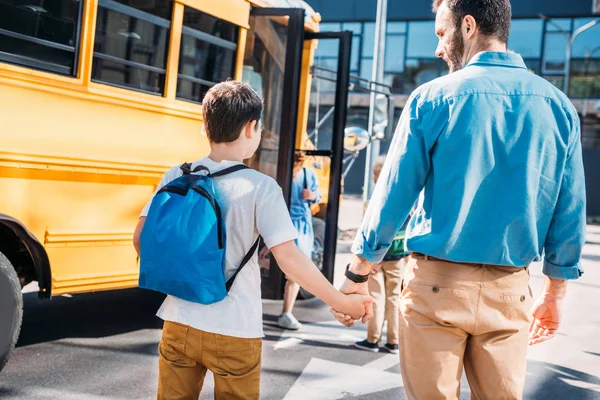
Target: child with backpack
{"x": 197, "y": 239}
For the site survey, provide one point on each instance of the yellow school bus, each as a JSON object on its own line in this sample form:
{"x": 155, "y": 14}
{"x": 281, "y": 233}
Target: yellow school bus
{"x": 98, "y": 98}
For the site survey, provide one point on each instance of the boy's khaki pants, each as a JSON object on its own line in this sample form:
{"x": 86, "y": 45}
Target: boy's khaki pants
{"x": 384, "y": 287}
{"x": 186, "y": 353}
{"x": 464, "y": 315}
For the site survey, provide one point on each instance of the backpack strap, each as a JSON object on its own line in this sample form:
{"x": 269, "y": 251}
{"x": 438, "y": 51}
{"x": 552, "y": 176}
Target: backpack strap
{"x": 229, "y": 170}
{"x": 244, "y": 262}
{"x": 305, "y": 178}
{"x": 186, "y": 168}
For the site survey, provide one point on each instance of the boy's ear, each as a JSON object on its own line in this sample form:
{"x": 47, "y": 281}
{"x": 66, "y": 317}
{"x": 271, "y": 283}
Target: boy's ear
{"x": 249, "y": 129}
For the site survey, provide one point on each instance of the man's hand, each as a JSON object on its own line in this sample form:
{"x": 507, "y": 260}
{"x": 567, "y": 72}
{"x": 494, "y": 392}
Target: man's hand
{"x": 547, "y": 312}
{"x": 359, "y": 266}
{"x": 308, "y": 195}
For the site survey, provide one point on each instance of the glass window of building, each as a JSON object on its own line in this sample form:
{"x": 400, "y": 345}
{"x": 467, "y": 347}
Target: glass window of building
{"x": 555, "y": 45}
{"x": 366, "y": 68}
{"x": 585, "y": 62}
{"x": 396, "y": 27}
{"x": 368, "y": 39}
{"x": 559, "y": 25}
{"x": 40, "y": 34}
{"x": 587, "y": 44}
{"x": 330, "y": 26}
{"x": 394, "y": 53}
{"x": 422, "y": 40}
{"x": 555, "y": 48}
{"x": 130, "y": 48}
{"x": 354, "y": 27}
{"x": 420, "y": 71}
{"x": 207, "y": 55}
{"x": 355, "y": 54}
{"x": 526, "y": 38}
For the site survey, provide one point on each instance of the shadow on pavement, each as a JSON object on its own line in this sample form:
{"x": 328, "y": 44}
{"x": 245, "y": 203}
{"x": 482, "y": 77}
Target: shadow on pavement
{"x": 556, "y": 382}
{"x": 90, "y": 315}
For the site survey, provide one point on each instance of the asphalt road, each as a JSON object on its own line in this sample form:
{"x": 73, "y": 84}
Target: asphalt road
{"x": 104, "y": 346}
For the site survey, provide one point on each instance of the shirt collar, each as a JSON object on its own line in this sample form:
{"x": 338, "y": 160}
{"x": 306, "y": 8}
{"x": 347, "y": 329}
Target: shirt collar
{"x": 503, "y": 59}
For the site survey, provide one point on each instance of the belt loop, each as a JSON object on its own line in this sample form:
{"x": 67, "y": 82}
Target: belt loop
{"x": 426, "y": 257}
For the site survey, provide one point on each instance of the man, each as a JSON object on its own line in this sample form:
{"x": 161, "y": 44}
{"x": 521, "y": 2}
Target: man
{"x": 497, "y": 153}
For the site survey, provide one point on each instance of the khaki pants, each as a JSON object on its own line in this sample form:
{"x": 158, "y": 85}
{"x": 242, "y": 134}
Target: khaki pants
{"x": 186, "y": 353}
{"x": 464, "y": 315}
{"x": 384, "y": 287}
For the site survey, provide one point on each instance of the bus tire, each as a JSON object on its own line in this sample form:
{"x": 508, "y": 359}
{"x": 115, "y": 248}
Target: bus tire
{"x": 11, "y": 309}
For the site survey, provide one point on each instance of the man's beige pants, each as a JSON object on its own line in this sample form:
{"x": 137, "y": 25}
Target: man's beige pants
{"x": 384, "y": 287}
{"x": 464, "y": 315}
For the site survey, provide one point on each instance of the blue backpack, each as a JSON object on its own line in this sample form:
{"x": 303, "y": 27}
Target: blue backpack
{"x": 182, "y": 245}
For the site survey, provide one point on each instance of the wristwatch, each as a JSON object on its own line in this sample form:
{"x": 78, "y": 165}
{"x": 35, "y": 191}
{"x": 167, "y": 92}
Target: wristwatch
{"x": 355, "y": 277}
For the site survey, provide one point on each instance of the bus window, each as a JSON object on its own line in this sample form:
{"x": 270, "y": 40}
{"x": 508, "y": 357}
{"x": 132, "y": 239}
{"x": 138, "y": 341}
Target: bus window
{"x": 207, "y": 55}
{"x": 40, "y": 34}
{"x": 264, "y": 66}
{"x": 130, "y": 48}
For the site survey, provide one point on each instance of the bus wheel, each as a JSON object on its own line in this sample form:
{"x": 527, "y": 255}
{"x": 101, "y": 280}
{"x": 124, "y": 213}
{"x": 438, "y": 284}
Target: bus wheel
{"x": 11, "y": 309}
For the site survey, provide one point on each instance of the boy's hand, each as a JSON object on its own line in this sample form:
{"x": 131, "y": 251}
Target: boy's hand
{"x": 308, "y": 195}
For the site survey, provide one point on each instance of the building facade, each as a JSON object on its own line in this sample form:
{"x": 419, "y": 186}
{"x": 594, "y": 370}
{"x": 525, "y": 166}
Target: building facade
{"x": 539, "y": 33}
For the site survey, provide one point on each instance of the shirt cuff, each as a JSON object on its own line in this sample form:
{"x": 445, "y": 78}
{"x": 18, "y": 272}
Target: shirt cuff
{"x": 562, "y": 272}
{"x": 361, "y": 248}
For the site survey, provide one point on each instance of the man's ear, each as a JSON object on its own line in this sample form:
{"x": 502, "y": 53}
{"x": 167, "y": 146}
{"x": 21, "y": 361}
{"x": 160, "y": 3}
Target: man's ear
{"x": 469, "y": 26}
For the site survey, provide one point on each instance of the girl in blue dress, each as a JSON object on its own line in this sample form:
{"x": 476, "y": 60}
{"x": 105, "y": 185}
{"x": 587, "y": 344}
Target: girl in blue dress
{"x": 305, "y": 192}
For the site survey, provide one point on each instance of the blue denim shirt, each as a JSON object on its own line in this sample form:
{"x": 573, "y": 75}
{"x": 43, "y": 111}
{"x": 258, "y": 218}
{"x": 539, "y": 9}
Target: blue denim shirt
{"x": 495, "y": 152}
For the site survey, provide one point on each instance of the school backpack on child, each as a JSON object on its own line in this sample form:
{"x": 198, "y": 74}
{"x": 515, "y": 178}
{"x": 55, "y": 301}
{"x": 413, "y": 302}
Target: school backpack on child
{"x": 182, "y": 245}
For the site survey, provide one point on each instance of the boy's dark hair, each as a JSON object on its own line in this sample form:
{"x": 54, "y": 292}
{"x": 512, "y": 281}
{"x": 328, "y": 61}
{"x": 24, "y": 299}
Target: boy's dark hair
{"x": 492, "y": 16}
{"x": 227, "y": 107}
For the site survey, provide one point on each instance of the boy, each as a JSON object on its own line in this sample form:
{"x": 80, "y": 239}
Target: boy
{"x": 226, "y": 337}
{"x": 385, "y": 287}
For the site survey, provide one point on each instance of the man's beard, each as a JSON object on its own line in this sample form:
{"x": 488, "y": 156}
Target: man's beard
{"x": 455, "y": 52}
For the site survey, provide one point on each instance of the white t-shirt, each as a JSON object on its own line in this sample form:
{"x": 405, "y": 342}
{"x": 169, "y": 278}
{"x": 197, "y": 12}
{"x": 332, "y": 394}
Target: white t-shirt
{"x": 252, "y": 204}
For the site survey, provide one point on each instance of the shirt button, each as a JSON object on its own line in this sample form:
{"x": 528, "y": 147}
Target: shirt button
{"x": 522, "y": 299}
{"x": 435, "y": 289}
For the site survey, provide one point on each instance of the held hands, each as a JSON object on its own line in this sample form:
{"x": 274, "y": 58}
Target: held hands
{"x": 308, "y": 195}
{"x": 356, "y": 306}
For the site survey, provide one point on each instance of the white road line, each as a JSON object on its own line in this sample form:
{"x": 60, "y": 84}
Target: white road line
{"x": 385, "y": 362}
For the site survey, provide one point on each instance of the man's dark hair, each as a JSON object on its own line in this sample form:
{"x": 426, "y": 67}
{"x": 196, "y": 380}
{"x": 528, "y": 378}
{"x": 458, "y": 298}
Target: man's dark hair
{"x": 227, "y": 107}
{"x": 492, "y": 16}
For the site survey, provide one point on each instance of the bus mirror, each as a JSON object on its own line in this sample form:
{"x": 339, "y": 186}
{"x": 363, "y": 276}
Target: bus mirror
{"x": 356, "y": 138}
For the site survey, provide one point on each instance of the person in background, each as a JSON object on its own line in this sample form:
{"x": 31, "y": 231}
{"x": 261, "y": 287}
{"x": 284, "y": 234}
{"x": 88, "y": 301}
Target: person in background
{"x": 305, "y": 192}
{"x": 385, "y": 286}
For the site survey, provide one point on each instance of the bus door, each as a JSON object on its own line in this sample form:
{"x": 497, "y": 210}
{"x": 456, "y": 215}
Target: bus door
{"x": 323, "y": 140}
{"x": 272, "y": 66}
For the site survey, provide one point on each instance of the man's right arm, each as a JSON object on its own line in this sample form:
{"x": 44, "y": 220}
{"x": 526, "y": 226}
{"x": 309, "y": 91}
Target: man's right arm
{"x": 404, "y": 175}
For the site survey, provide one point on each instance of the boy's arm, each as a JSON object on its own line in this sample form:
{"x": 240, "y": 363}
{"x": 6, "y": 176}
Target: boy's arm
{"x": 299, "y": 268}
{"x": 137, "y": 234}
